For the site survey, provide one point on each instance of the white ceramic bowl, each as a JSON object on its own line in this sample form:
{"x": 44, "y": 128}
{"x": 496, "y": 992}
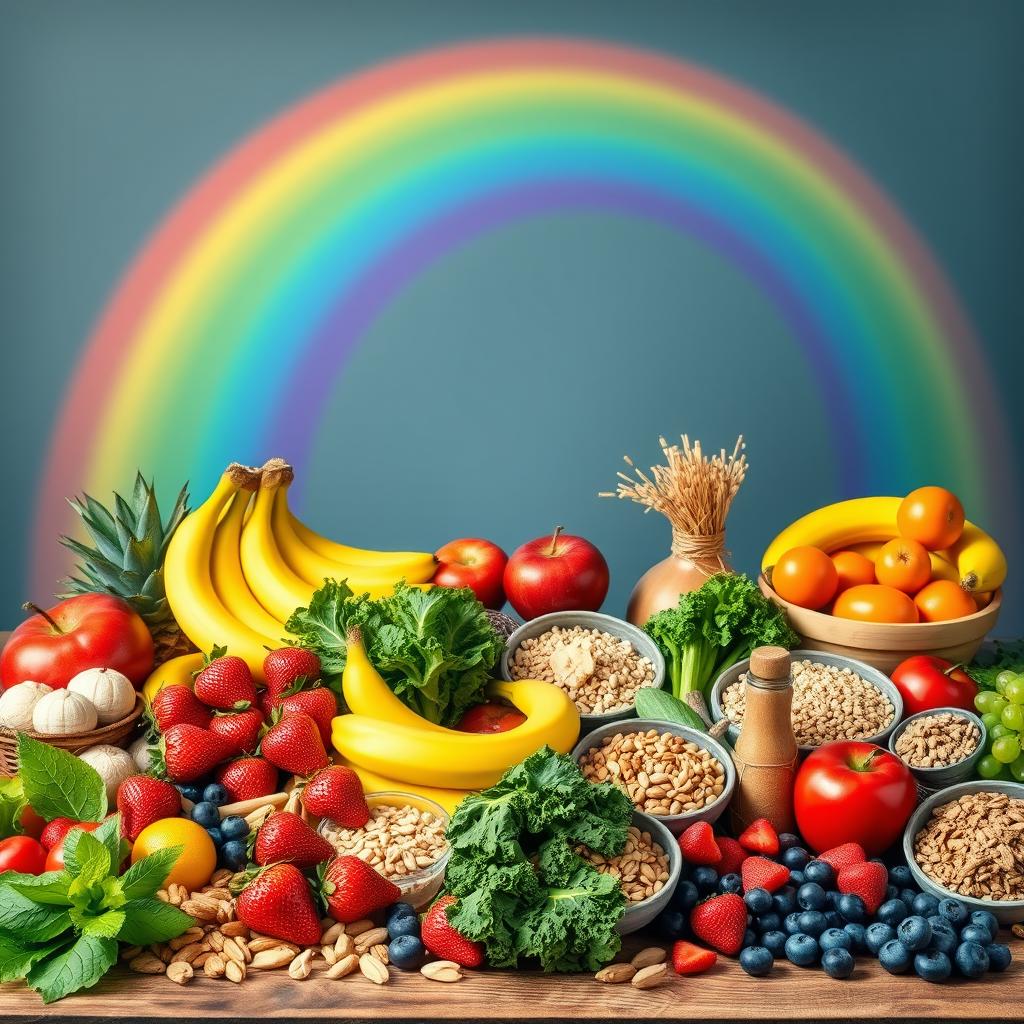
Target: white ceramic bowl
{"x": 639, "y": 915}
{"x": 939, "y": 778}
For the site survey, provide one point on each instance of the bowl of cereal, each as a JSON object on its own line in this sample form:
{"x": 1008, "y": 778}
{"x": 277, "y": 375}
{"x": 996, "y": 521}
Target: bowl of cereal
{"x": 403, "y": 840}
{"x": 965, "y": 842}
{"x": 682, "y": 775}
{"x": 834, "y": 698}
{"x": 599, "y": 660}
{"x": 940, "y": 746}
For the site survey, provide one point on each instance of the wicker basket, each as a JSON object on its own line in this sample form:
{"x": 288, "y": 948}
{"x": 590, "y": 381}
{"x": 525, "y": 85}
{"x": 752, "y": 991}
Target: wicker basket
{"x": 118, "y": 734}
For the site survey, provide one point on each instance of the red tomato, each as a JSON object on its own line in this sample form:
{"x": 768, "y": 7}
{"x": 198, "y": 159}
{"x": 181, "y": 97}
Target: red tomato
{"x": 89, "y": 631}
{"x": 55, "y": 858}
{"x": 926, "y": 682}
{"x": 31, "y": 824}
{"x": 491, "y": 717}
{"x": 22, "y": 853}
{"x": 853, "y": 792}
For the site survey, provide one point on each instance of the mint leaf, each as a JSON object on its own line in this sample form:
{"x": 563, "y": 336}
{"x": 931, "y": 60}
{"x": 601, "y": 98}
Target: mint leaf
{"x": 22, "y": 917}
{"x": 152, "y": 920}
{"x": 58, "y": 784}
{"x": 79, "y": 966}
{"x": 12, "y": 803}
{"x": 112, "y": 895}
{"x": 16, "y": 958}
{"x": 102, "y": 926}
{"x": 50, "y": 887}
{"x": 148, "y": 875}
{"x": 109, "y": 834}
{"x": 88, "y": 861}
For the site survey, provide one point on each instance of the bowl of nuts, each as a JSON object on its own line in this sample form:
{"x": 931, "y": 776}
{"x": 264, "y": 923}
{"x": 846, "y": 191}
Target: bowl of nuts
{"x": 675, "y": 774}
{"x": 940, "y": 746}
{"x": 403, "y": 840}
{"x": 965, "y": 842}
{"x": 834, "y": 698}
{"x": 648, "y": 870}
{"x": 599, "y": 660}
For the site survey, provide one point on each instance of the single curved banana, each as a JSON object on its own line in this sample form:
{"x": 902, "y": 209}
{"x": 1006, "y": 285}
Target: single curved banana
{"x": 449, "y": 799}
{"x": 979, "y": 561}
{"x": 189, "y": 585}
{"x": 942, "y": 568}
{"x": 178, "y": 671}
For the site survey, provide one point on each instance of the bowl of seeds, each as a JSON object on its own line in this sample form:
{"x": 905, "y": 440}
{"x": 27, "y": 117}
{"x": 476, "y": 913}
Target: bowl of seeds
{"x": 940, "y": 746}
{"x": 599, "y": 660}
{"x": 648, "y": 870}
{"x": 834, "y": 698}
{"x": 966, "y": 842}
{"x": 675, "y": 774}
{"x": 403, "y": 840}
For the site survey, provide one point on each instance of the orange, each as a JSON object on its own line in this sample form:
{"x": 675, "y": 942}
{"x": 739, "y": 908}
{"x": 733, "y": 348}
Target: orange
{"x": 805, "y": 576}
{"x": 932, "y": 516}
{"x": 198, "y": 857}
{"x": 873, "y": 602}
{"x": 903, "y": 564}
{"x": 944, "y": 600}
{"x": 853, "y": 569}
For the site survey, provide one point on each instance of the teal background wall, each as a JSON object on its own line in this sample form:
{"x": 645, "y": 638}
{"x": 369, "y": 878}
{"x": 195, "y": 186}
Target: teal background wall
{"x": 497, "y": 395}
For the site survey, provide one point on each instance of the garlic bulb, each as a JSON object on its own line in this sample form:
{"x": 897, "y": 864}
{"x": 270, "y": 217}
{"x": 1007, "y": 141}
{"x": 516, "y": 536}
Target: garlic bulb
{"x": 142, "y": 753}
{"x": 63, "y": 713}
{"x": 113, "y": 764}
{"x": 110, "y": 692}
{"x": 16, "y": 704}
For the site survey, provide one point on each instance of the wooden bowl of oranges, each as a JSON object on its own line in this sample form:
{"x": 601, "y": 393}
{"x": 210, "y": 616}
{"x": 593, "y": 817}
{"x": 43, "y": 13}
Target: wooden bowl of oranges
{"x": 878, "y": 579}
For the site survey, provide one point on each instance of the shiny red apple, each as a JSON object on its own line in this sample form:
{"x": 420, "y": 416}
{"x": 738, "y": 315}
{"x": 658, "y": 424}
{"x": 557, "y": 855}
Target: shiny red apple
{"x": 475, "y": 563}
{"x": 556, "y": 574}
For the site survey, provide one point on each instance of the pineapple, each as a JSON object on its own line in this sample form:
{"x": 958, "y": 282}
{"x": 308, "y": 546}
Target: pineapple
{"x": 127, "y": 559}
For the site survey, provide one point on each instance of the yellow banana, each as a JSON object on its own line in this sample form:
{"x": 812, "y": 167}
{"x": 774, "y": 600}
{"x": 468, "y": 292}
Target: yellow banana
{"x": 449, "y": 799}
{"x": 979, "y": 561}
{"x": 176, "y": 672}
{"x": 189, "y": 585}
{"x": 942, "y": 569}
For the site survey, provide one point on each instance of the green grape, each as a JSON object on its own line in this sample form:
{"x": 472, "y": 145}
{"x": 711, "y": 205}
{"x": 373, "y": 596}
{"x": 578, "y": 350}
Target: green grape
{"x": 1013, "y": 717}
{"x": 1006, "y": 749}
{"x": 990, "y": 720}
{"x": 1014, "y": 690}
{"x": 999, "y": 730}
{"x": 1017, "y": 769}
{"x": 989, "y": 700}
{"x": 989, "y": 767}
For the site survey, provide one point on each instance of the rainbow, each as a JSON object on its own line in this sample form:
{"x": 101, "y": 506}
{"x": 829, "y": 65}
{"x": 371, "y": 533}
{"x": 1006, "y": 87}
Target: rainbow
{"x": 272, "y": 267}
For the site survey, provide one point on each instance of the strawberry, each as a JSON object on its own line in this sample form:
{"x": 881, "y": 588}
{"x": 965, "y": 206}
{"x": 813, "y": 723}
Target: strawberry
{"x": 285, "y": 838}
{"x": 690, "y": 959}
{"x": 55, "y": 831}
{"x": 287, "y": 666}
{"x": 721, "y": 922}
{"x": 760, "y": 837}
{"x": 242, "y": 728}
{"x": 697, "y": 844}
{"x": 318, "y": 702}
{"x": 335, "y": 792}
{"x": 141, "y": 800}
{"x": 843, "y": 856}
{"x": 294, "y": 745}
{"x": 278, "y": 902}
{"x": 226, "y": 683}
{"x": 353, "y": 890}
{"x": 444, "y": 941}
{"x": 189, "y": 752}
{"x": 733, "y": 855}
{"x": 178, "y": 705}
{"x": 867, "y": 880}
{"x": 762, "y": 873}
{"x": 247, "y": 778}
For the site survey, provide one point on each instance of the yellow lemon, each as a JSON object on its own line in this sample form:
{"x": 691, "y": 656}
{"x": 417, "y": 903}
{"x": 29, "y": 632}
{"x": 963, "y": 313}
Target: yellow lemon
{"x": 198, "y": 858}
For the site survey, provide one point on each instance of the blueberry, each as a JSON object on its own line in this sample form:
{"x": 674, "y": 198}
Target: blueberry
{"x": 397, "y": 910}
{"x": 834, "y": 938}
{"x": 833, "y": 919}
{"x": 924, "y": 904}
{"x": 986, "y": 919}
{"x": 410, "y": 925}
{"x": 895, "y": 957}
{"x": 791, "y": 924}
{"x": 852, "y": 908}
{"x": 234, "y": 855}
{"x": 206, "y": 814}
{"x": 954, "y": 912}
{"x": 999, "y": 957}
{"x": 837, "y": 963}
{"x": 216, "y": 794}
{"x": 234, "y": 826}
{"x": 858, "y": 941}
{"x": 832, "y": 898}
{"x": 787, "y": 840}
{"x": 971, "y": 959}
{"x": 801, "y": 950}
{"x": 795, "y": 858}
{"x": 908, "y": 896}
{"x": 706, "y": 879}
{"x": 877, "y": 935}
{"x": 820, "y": 871}
{"x": 749, "y": 938}
{"x": 406, "y": 952}
{"x": 900, "y": 875}
{"x": 892, "y": 912}
{"x": 770, "y": 922}
{"x": 914, "y": 932}
{"x": 670, "y": 925}
{"x": 775, "y": 942}
{"x": 191, "y": 792}
{"x": 217, "y": 836}
{"x": 932, "y": 966}
{"x": 892, "y": 892}
{"x": 757, "y": 961}
{"x": 944, "y": 939}
{"x": 758, "y": 901}
{"x": 813, "y": 923}
{"x": 730, "y": 883}
{"x": 685, "y": 897}
{"x": 811, "y": 896}
{"x": 796, "y": 878}
{"x": 975, "y": 933}
{"x": 784, "y": 901}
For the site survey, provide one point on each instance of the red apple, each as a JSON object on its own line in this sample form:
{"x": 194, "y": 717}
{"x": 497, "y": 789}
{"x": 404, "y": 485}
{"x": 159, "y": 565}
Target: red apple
{"x": 556, "y": 574}
{"x": 926, "y": 682}
{"x": 88, "y": 631}
{"x": 474, "y": 563}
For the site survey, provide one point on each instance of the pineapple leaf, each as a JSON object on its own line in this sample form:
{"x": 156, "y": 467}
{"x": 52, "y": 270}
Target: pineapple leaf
{"x": 148, "y": 519}
{"x": 91, "y": 557}
{"x": 100, "y": 527}
{"x": 124, "y": 521}
{"x": 139, "y": 556}
{"x": 178, "y": 513}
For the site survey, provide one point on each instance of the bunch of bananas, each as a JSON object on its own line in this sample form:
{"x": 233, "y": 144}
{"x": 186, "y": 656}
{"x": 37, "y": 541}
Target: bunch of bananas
{"x": 241, "y": 563}
{"x": 975, "y": 561}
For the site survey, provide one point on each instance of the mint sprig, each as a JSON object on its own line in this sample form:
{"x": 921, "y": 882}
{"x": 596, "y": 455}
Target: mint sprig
{"x": 59, "y": 785}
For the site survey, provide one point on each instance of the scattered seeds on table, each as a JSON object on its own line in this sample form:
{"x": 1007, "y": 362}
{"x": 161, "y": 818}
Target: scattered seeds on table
{"x": 615, "y": 974}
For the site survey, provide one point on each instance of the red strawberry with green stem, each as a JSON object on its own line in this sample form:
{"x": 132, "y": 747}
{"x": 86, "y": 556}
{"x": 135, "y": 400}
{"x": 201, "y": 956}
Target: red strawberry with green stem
{"x": 247, "y": 778}
{"x": 868, "y": 880}
{"x": 178, "y": 705}
{"x": 440, "y": 937}
{"x": 141, "y": 800}
{"x": 336, "y": 793}
{"x": 762, "y": 873}
{"x": 294, "y": 745}
{"x": 690, "y": 959}
{"x": 226, "y": 683}
{"x": 285, "y": 838}
{"x": 287, "y": 666}
{"x": 54, "y": 831}
{"x": 353, "y": 890}
{"x": 188, "y": 752}
{"x": 242, "y": 728}
{"x": 698, "y": 846}
{"x": 721, "y": 922}
{"x": 733, "y": 856}
{"x": 279, "y": 902}
{"x": 840, "y": 857}
{"x": 760, "y": 837}
{"x": 318, "y": 702}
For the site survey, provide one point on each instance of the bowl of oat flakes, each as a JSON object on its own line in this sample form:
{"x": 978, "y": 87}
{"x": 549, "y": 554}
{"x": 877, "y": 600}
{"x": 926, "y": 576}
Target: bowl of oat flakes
{"x": 403, "y": 840}
{"x": 967, "y": 842}
{"x": 599, "y": 660}
{"x": 940, "y": 746}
